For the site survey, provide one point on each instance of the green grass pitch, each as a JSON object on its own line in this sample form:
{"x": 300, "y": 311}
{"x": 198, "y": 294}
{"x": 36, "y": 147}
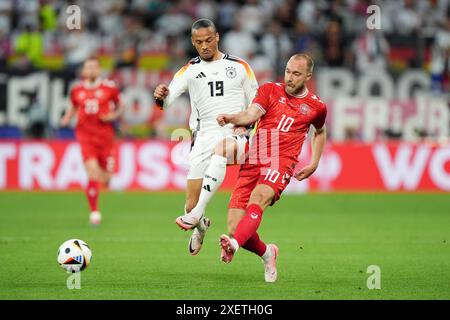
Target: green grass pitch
{"x": 326, "y": 243}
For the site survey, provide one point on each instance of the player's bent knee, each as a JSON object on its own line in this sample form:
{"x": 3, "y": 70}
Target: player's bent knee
{"x": 220, "y": 148}
{"x": 227, "y": 148}
{"x": 93, "y": 170}
{"x": 106, "y": 179}
{"x": 93, "y": 174}
{"x": 262, "y": 196}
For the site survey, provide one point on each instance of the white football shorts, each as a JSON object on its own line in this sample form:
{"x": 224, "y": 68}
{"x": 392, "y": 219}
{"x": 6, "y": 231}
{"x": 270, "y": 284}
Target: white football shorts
{"x": 203, "y": 147}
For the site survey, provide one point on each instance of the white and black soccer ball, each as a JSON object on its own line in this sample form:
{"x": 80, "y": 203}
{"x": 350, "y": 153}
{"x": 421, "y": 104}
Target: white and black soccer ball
{"x": 74, "y": 255}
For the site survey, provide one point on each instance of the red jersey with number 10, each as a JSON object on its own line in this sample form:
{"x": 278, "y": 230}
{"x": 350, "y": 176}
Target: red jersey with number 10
{"x": 286, "y": 121}
{"x": 91, "y": 102}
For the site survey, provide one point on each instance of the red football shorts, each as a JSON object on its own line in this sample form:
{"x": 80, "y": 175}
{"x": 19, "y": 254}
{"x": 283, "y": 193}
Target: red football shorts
{"x": 250, "y": 175}
{"x": 105, "y": 154}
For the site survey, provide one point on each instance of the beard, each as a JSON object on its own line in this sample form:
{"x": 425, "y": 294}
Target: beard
{"x": 92, "y": 78}
{"x": 295, "y": 90}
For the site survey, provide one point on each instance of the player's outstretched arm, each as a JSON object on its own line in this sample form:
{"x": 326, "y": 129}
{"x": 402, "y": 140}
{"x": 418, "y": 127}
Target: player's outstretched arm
{"x": 68, "y": 114}
{"x": 317, "y": 144}
{"x": 244, "y": 118}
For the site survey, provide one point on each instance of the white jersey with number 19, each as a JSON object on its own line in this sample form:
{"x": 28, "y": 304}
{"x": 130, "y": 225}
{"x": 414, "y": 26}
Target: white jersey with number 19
{"x": 227, "y": 85}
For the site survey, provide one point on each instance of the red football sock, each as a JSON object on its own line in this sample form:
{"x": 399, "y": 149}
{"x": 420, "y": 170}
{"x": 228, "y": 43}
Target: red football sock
{"x": 249, "y": 224}
{"x": 254, "y": 244}
{"x": 92, "y": 190}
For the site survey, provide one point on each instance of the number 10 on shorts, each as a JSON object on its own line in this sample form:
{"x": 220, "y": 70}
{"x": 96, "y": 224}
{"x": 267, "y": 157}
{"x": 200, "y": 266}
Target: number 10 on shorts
{"x": 273, "y": 175}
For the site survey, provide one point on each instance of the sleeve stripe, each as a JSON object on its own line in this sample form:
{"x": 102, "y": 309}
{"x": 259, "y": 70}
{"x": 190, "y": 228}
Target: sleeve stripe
{"x": 260, "y": 107}
{"x": 249, "y": 71}
{"x": 181, "y": 71}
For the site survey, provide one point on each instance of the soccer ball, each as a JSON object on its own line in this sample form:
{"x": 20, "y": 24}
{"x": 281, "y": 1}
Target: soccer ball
{"x": 74, "y": 255}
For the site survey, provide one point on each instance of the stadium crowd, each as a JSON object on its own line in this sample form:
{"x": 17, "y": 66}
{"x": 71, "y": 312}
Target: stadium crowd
{"x": 333, "y": 31}
{"x": 155, "y": 34}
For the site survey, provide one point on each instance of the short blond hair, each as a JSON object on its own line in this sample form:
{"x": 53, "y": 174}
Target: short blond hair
{"x": 309, "y": 60}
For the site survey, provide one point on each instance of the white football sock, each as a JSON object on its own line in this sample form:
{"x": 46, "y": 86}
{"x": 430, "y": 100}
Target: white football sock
{"x": 267, "y": 254}
{"x": 234, "y": 244}
{"x": 213, "y": 178}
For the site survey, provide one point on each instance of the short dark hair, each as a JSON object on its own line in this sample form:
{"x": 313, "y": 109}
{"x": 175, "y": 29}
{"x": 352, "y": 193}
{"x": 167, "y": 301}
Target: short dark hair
{"x": 203, "y": 23}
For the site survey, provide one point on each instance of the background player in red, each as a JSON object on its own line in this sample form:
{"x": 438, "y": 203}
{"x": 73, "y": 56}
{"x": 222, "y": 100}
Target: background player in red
{"x": 285, "y": 112}
{"x": 97, "y": 104}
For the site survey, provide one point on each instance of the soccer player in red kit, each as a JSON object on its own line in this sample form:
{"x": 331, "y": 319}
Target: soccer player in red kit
{"x": 284, "y": 113}
{"x": 97, "y": 104}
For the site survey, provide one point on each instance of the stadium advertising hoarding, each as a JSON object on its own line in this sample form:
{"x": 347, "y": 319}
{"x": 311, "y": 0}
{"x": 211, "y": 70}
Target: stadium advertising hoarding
{"x": 155, "y": 165}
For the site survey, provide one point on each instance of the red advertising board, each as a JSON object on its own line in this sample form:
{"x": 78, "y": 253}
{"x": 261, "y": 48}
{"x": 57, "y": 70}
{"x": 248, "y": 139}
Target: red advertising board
{"x": 160, "y": 165}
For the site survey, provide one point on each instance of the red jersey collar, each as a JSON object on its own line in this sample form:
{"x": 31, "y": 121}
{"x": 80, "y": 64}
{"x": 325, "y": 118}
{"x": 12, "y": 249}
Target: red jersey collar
{"x": 88, "y": 85}
{"x": 301, "y": 95}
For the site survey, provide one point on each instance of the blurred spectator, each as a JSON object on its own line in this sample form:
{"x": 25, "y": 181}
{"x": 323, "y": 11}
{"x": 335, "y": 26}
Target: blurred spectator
{"x": 48, "y": 16}
{"x": 262, "y": 67}
{"x": 174, "y": 22}
{"x": 358, "y": 9}
{"x": 137, "y": 5}
{"x": 110, "y": 16}
{"x": 79, "y": 44}
{"x": 334, "y": 45}
{"x": 186, "y": 7}
{"x": 307, "y": 13}
{"x": 177, "y": 48}
{"x": 5, "y": 50}
{"x": 6, "y": 7}
{"x": 238, "y": 42}
{"x": 127, "y": 48}
{"x": 277, "y": 46}
{"x": 388, "y": 16}
{"x": 336, "y": 11}
{"x": 304, "y": 41}
{"x": 432, "y": 17}
{"x": 37, "y": 119}
{"x": 226, "y": 15}
{"x": 29, "y": 48}
{"x": 26, "y": 13}
{"x": 206, "y": 9}
{"x": 370, "y": 51}
{"x": 407, "y": 18}
{"x": 285, "y": 14}
{"x": 253, "y": 17}
{"x": 440, "y": 62}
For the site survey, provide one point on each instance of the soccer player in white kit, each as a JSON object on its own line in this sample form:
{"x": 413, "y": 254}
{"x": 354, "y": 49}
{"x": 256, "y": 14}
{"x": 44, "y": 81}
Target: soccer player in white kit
{"x": 217, "y": 83}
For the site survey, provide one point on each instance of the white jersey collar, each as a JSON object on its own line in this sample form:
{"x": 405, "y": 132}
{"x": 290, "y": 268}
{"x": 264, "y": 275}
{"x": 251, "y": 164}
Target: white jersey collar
{"x": 222, "y": 57}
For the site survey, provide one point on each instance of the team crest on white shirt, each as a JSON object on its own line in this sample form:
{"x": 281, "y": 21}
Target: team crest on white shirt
{"x": 230, "y": 72}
